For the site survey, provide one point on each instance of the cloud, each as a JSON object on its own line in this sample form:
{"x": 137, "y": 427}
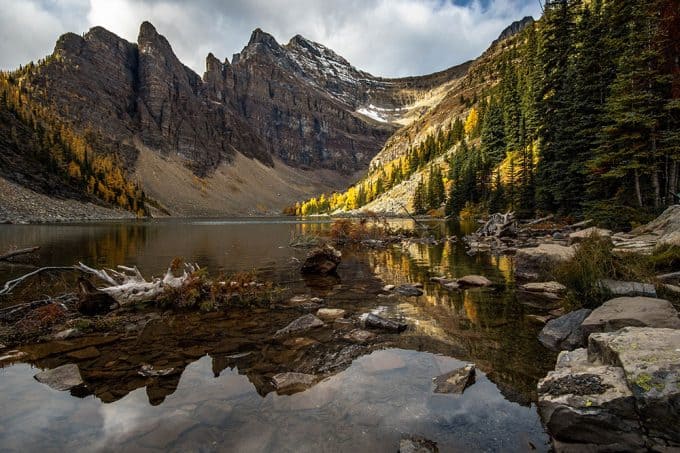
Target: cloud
{"x": 384, "y": 37}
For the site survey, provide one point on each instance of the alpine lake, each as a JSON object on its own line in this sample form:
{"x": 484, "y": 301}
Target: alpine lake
{"x": 219, "y": 395}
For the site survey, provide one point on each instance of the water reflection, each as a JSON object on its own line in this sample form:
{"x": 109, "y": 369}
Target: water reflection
{"x": 220, "y": 396}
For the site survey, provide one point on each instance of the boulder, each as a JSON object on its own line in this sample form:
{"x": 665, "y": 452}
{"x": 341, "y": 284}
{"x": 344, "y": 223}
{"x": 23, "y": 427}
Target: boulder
{"x": 534, "y": 261}
{"x": 288, "y": 383}
{"x": 578, "y": 236}
{"x": 585, "y": 404}
{"x": 630, "y": 311}
{"x": 301, "y": 324}
{"x": 650, "y": 361}
{"x": 408, "y": 290}
{"x": 330, "y": 314}
{"x": 61, "y": 378}
{"x": 544, "y": 287}
{"x": 620, "y": 288}
{"x": 564, "y": 332}
{"x": 388, "y": 287}
{"x": 455, "y": 381}
{"x": 372, "y": 321}
{"x": 474, "y": 280}
{"x": 322, "y": 261}
{"x": 417, "y": 444}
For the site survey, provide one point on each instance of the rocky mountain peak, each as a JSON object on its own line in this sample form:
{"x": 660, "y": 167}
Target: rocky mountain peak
{"x": 149, "y": 39}
{"x": 300, "y": 44}
{"x": 260, "y": 37}
{"x": 514, "y": 28}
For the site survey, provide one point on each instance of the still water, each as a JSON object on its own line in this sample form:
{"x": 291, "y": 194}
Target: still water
{"x": 220, "y": 397}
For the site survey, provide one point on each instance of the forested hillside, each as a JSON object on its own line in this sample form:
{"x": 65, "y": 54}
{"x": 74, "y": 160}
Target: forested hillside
{"x": 577, "y": 115}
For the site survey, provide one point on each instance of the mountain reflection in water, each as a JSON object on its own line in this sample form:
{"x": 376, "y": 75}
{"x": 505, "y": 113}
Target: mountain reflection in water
{"x": 219, "y": 395}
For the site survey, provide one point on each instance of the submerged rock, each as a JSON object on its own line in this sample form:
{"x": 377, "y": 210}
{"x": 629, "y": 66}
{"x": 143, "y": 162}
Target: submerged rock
{"x": 288, "y": 383}
{"x": 301, "y": 324}
{"x": 330, "y": 314}
{"x": 619, "y": 288}
{"x": 61, "y": 378}
{"x": 372, "y": 321}
{"x": 474, "y": 280}
{"x": 408, "y": 290}
{"x": 564, "y": 332}
{"x": 455, "y": 381}
{"x": 322, "y": 261}
{"x": 631, "y": 311}
{"x": 417, "y": 444}
{"x": 359, "y": 336}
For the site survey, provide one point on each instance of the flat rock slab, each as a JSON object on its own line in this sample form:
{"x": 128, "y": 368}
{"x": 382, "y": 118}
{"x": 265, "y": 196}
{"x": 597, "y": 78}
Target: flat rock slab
{"x": 61, "y": 378}
{"x": 408, "y": 290}
{"x": 537, "y": 260}
{"x": 544, "y": 287}
{"x": 84, "y": 354}
{"x": 417, "y": 444}
{"x": 292, "y": 382}
{"x": 650, "y": 360}
{"x": 631, "y": 311}
{"x": 301, "y": 324}
{"x": 330, "y": 314}
{"x": 455, "y": 381}
{"x": 564, "y": 332}
{"x": 621, "y": 288}
{"x": 371, "y": 321}
{"x": 474, "y": 280}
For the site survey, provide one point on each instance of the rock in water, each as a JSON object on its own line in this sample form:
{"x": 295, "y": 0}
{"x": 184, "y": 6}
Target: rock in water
{"x": 544, "y": 287}
{"x": 372, "y": 321}
{"x": 301, "y": 324}
{"x": 579, "y": 236}
{"x": 474, "y": 280}
{"x": 534, "y": 261}
{"x": 408, "y": 290}
{"x": 455, "y": 381}
{"x": 631, "y": 311}
{"x": 330, "y": 314}
{"x": 288, "y": 383}
{"x": 564, "y": 332}
{"x": 359, "y": 336}
{"x": 61, "y": 378}
{"x": 322, "y": 261}
{"x": 417, "y": 444}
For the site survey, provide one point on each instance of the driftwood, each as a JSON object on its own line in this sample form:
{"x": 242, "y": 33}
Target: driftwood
{"x": 498, "y": 225}
{"x": 14, "y": 253}
{"x": 125, "y": 286}
{"x": 578, "y": 225}
{"x": 541, "y": 220}
{"x": 418, "y": 223}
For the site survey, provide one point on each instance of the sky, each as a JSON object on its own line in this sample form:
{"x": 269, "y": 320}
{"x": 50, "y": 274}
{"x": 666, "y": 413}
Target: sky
{"x": 388, "y": 38}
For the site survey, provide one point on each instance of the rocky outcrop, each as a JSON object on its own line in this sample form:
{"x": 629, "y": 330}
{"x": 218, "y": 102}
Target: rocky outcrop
{"x": 621, "y": 394}
{"x": 630, "y": 311}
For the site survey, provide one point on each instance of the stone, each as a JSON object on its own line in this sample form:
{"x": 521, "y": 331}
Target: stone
{"x": 359, "y": 336}
{"x": 373, "y": 321}
{"x": 330, "y": 314}
{"x": 150, "y": 371}
{"x": 84, "y": 354}
{"x": 578, "y": 236}
{"x": 455, "y": 381}
{"x": 544, "y": 287}
{"x": 631, "y": 311}
{"x": 322, "y": 261}
{"x": 408, "y": 290}
{"x": 288, "y": 383}
{"x": 299, "y": 342}
{"x": 66, "y": 334}
{"x": 301, "y": 324}
{"x": 417, "y": 444}
{"x": 474, "y": 280}
{"x": 650, "y": 361}
{"x": 535, "y": 261}
{"x": 574, "y": 360}
{"x": 564, "y": 332}
{"x": 388, "y": 287}
{"x": 584, "y": 405}
{"x": 619, "y": 288}
{"x": 304, "y": 302}
{"x": 61, "y": 378}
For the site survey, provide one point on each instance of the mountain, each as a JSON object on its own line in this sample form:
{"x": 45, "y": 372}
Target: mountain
{"x": 277, "y": 123}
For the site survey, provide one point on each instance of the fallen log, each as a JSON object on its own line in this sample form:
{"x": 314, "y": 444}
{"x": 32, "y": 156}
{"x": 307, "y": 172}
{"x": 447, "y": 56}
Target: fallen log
{"x": 498, "y": 224}
{"x": 11, "y": 284}
{"x": 14, "y": 253}
{"x": 541, "y": 220}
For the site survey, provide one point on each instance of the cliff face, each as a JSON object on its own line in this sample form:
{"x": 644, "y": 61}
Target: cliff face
{"x": 298, "y": 105}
